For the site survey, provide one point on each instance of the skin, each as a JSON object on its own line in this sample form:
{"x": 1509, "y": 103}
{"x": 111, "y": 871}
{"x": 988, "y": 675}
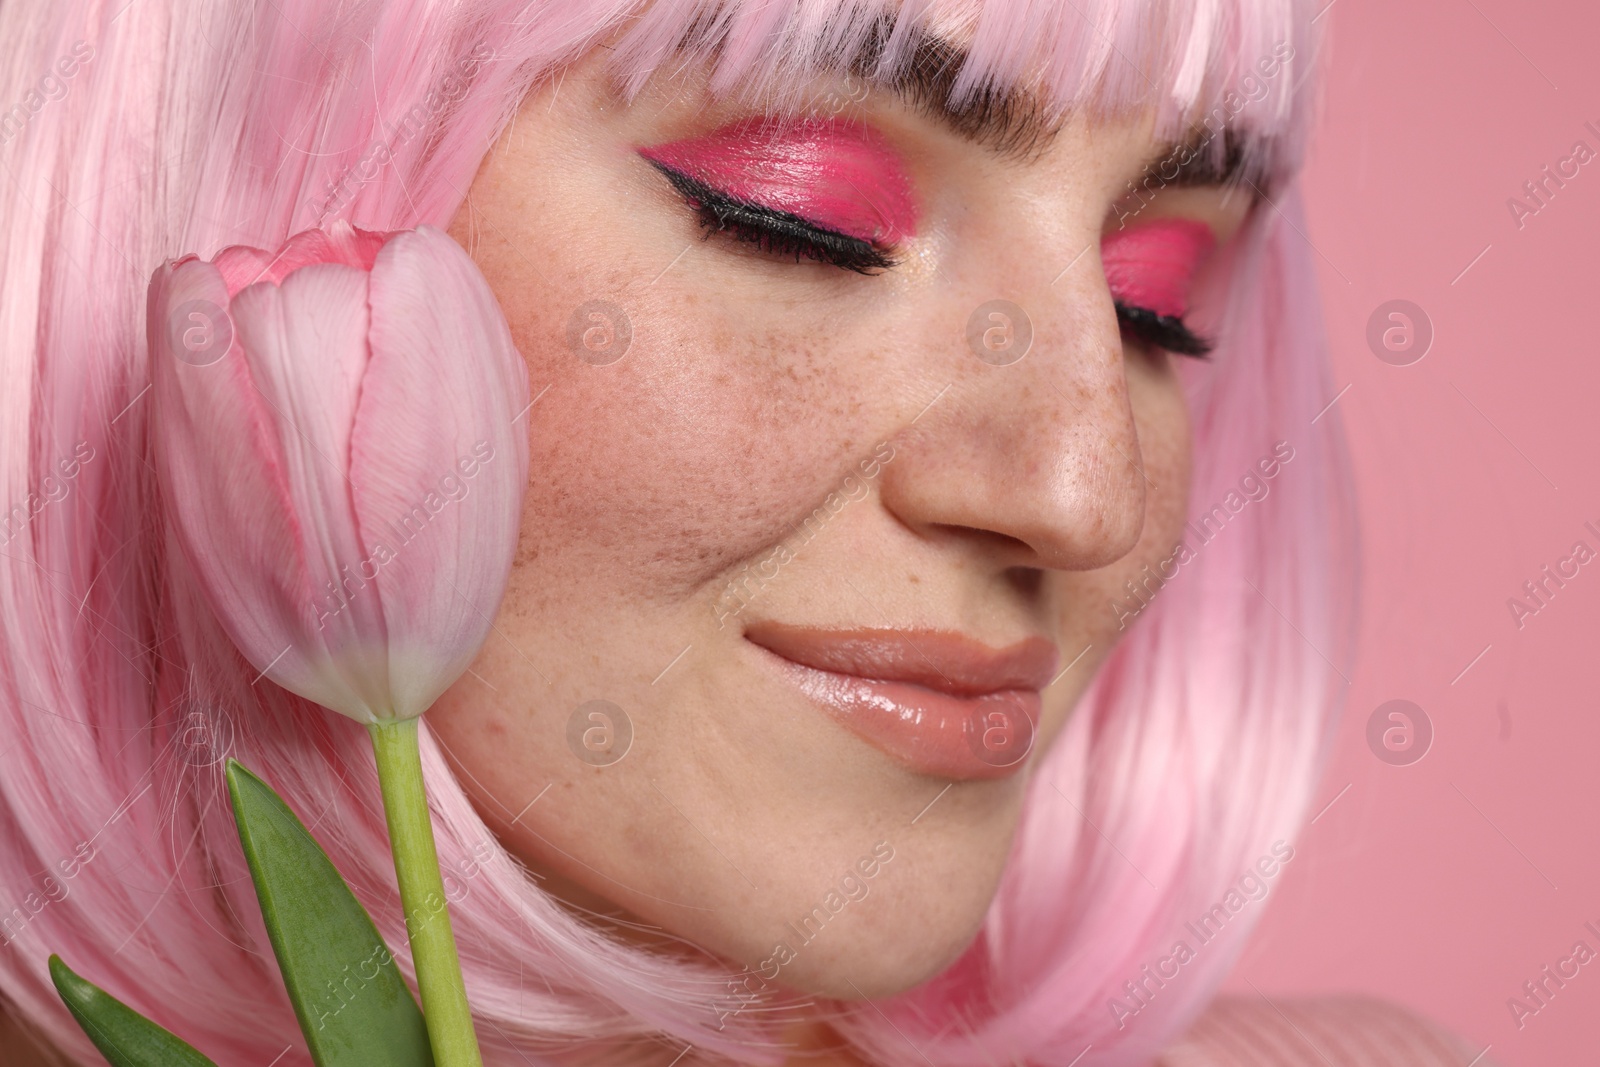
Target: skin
{"x": 1019, "y": 500}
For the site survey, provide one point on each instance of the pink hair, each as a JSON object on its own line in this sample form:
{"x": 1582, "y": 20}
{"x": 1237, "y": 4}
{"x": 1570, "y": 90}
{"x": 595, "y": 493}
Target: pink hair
{"x": 194, "y": 124}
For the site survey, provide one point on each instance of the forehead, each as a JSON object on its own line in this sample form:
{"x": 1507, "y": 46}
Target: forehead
{"x": 1013, "y": 123}
{"x": 1225, "y": 77}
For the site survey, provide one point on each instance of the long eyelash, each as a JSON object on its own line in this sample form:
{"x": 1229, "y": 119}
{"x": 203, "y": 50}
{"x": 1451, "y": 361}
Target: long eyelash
{"x": 1163, "y": 331}
{"x": 777, "y": 232}
{"x": 782, "y": 233}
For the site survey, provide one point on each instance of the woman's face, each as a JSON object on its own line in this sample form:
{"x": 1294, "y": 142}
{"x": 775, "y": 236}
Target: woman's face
{"x": 837, "y": 560}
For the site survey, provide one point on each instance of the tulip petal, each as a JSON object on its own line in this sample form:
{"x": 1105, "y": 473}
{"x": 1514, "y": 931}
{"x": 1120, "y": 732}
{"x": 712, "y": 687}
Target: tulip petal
{"x": 343, "y": 456}
{"x": 438, "y": 466}
{"x": 243, "y": 266}
{"x": 307, "y": 342}
{"x": 217, "y": 450}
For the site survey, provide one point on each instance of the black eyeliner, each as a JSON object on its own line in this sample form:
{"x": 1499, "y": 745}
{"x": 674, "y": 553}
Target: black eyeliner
{"x": 779, "y": 232}
{"x": 1163, "y": 331}
{"x": 783, "y": 233}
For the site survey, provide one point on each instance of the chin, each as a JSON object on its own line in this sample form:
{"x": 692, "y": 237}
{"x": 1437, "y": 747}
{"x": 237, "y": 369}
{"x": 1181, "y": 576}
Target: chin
{"x": 905, "y": 912}
{"x": 880, "y": 965}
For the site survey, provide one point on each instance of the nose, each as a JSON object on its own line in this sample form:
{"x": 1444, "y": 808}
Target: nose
{"x": 1039, "y": 457}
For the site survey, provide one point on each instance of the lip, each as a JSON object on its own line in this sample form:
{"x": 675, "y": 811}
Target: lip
{"x": 939, "y": 703}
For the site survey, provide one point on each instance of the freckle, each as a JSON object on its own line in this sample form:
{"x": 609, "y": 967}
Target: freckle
{"x": 913, "y": 579}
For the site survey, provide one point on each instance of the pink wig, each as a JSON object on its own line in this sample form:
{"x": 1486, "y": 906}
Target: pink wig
{"x": 144, "y": 129}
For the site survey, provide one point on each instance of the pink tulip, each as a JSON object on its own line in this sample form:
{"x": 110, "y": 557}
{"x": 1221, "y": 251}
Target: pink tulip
{"x": 339, "y": 429}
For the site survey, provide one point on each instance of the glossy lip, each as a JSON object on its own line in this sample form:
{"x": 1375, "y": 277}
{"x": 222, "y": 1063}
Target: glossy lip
{"x": 937, "y": 702}
{"x": 1153, "y": 266}
{"x": 837, "y": 174}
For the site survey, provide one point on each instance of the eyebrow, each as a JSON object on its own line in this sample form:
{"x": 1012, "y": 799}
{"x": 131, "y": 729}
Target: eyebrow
{"x": 1012, "y": 122}
{"x": 1196, "y": 163}
{"x": 1016, "y": 123}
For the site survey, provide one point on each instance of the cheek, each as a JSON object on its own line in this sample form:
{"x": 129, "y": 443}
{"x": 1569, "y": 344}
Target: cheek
{"x": 711, "y": 437}
{"x": 696, "y": 449}
{"x": 1088, "y": 601}
{"x": 1161, "y": 413}
{"x": 700, "y": 448}
{"x": 728, "y": 416}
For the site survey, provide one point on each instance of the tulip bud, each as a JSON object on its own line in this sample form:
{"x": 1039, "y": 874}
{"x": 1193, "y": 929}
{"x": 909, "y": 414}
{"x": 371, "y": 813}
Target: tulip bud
{"x": 338, "y": 431}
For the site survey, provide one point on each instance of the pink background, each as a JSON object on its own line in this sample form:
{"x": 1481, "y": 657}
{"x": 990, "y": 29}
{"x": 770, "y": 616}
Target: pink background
{"x": 1446, "y": 884}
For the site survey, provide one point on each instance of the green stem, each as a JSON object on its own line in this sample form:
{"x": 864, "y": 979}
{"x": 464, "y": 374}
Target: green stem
{"x": 416, "y": 863}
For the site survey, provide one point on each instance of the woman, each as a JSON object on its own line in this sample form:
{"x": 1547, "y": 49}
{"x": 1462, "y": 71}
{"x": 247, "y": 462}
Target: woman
{"x": 832, "y": 713}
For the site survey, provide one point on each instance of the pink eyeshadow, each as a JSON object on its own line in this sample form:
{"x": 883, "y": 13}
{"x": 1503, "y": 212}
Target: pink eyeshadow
{"x": 1153, "y": 266}
{"x": 837, "y": 175}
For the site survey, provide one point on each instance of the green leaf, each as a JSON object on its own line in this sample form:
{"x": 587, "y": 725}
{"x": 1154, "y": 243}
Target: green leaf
{"x": 354, "y": 1007}
{"x": 122, "y": 1035}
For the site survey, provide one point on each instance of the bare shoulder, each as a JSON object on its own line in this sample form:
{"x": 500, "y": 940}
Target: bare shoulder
{"x": 1331, "y": 1031}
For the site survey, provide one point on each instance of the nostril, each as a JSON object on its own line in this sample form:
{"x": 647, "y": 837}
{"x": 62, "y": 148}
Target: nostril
{"x": 996, "y": 542}
{"x": 1027, "y": 581}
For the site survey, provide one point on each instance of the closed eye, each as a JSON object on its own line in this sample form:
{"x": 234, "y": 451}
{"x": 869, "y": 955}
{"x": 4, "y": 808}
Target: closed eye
{"x": 1162, "y": 331}
{"x": 1150, "y": 269}
{"x": 784, "y": 234}
{"x": 775, "y": 232}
